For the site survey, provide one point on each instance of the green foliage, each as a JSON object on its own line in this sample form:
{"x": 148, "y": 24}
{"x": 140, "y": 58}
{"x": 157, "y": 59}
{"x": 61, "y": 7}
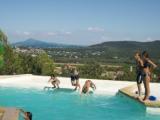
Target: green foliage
{"x": 65, "y": 72}
{"x": 1, "y": 54}
{"x": 16, "y": 63}
{"x": 3, "y": 38}
{"x": 44, "y": 64}
{"x": 12, "y": 62}
{"x": 91, "y": 70}
{"x": 3, "y": 41}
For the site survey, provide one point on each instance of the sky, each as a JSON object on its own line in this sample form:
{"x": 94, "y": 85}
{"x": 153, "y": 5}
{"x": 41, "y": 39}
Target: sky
{"x": 80, "y": 22}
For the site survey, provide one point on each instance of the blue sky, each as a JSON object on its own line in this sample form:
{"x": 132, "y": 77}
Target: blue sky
{"x": 82, "y": 22}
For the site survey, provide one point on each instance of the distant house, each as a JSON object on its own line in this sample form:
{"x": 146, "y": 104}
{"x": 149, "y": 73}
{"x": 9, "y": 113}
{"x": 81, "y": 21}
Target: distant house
{"x": 32, "y": 51}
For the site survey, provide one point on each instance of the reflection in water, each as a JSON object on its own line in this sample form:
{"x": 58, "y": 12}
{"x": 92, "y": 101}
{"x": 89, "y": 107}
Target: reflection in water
{"x": 57, "y": 90}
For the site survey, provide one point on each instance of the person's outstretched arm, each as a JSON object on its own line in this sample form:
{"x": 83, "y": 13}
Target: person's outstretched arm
{"x": 93, "y": 86}
{"x": 152, "y": 63}
{"x": 50, "y": 80}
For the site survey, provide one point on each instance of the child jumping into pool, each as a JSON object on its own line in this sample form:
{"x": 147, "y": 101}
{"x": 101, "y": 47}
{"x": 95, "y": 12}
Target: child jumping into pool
{"x": 54, "y": 81}
{"x": 74, "y": 76}
{"x": 87, "y": 85}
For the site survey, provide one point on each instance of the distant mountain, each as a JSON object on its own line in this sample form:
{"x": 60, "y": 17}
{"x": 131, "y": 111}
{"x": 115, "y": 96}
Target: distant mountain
{"x": 112, "y": 49}
{"x": 119, "y": 43}
{"x": 127, "y": 48}
{"x": 41, "y": 44}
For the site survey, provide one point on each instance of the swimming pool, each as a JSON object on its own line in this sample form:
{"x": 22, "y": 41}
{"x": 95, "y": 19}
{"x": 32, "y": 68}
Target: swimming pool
{"x": 65, "y": 104}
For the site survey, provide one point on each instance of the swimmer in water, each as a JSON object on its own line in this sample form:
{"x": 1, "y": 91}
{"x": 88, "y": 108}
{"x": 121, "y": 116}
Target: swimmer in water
{"x": 26, "y": 115}
{"x": 87, "y": 85}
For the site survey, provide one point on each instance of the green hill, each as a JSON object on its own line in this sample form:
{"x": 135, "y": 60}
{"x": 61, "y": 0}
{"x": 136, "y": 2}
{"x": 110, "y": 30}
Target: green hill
{"x": 127, "y": 48}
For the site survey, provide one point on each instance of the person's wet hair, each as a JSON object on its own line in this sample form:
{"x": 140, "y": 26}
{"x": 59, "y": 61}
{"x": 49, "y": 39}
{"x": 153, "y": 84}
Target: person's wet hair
{"x": 52, "y": 75}
{"x": 29, "y": 115}
{"x": 145, "y": 54}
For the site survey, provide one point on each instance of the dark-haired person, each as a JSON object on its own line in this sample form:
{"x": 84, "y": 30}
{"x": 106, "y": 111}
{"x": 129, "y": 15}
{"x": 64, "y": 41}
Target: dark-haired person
{"x": 139, "y": 68}
{"x": 26, "y": 115}
{"x": 54, "y": 81}
{"x": 87, "y": 85}
{"x": 148, "y": 64}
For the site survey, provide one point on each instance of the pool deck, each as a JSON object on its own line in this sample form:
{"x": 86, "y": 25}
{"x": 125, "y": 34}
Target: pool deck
{"x": 106, "y": 87}
{"x": 129, "y": 91}
{"x": 9, "y": 114}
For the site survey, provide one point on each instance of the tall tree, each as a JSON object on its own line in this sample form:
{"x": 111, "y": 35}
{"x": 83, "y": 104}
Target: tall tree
{"x": 3, "y": 38}
{"x": 45, "y": 65}
{"x": 3, "y": 42}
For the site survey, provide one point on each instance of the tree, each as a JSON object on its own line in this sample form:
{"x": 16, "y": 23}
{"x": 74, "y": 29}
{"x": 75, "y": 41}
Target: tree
{"x": 3, "y": 38}
{"x": 44, "y": 64}
{"x": 9, "y": 59}
{"x": 91, "y": 70}
{"x": 3, "y": 41}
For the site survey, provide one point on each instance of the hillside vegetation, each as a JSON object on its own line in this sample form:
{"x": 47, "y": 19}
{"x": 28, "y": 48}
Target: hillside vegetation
{"x": 128, "y": 48}
{"x": 19, "y": 63}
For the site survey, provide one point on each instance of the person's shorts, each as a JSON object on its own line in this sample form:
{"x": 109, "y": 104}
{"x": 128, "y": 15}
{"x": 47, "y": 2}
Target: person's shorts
{"x": 74, "y": 77}
{"x": 139, "y": 78}
{"x": 56, "y": 82}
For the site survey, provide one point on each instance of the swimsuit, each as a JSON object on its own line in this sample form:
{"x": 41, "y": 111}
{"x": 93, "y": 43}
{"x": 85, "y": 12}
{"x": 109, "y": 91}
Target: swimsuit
{"x": 74, "y": 75}
{"x": 146, "y": 65}
{"x": 139, "y": 77}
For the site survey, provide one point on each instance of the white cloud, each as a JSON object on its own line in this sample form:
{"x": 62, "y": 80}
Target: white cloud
{"x": 95, "y": 29}
{"x": 58, "y": 33}
{"x": 26, "y": 33}
{"x": 51, "y": 33}
{"x": 68, "y": 33}
{"x": 21, "y": 33}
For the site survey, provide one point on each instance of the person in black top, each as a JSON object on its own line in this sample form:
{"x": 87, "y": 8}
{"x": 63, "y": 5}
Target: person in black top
{"x": 148, "y": 65}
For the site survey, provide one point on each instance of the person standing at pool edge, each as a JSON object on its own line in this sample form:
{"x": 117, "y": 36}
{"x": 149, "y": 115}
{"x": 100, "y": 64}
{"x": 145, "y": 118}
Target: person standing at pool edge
{"x": 139, "y": 68}
{"x": 147, "y": 64}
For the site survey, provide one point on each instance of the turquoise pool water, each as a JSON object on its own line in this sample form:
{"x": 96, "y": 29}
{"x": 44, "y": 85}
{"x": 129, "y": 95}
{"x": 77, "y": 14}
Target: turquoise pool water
{"x": 65, "y": 104}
